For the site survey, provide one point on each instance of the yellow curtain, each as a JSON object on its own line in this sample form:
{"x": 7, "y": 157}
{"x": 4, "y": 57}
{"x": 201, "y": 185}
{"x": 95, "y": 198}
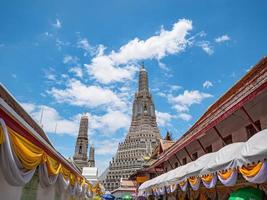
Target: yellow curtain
{"x": 53, "y": 166}
{"x": 250, "y": 171}
{"x": 65, "y": 172}
{"x": 1, "y": 135}
{"x": 193, "y": 180}
{"x": 225, "y": 174}
{"x": 89, "y": 186}
{"x": 29, "y": 154}
{"x": 83, "y": 182}
{"x": 182, "y": 183}
{"x": 207, "y": 178}
{"x": 72, "y": 179}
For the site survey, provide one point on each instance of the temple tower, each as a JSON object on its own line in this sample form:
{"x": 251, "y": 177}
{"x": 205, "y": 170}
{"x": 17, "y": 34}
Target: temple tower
{"x": 81, "y": 148}
{"x": 142, "y": 137}
{"x": 91, "y": 161}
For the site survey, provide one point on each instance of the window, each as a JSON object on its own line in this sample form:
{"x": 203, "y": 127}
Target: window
{"x": 228, "y": 139}
{"x": 209, "y": 149}
{"x": 176, "y": 164}
{"x": 80, "y": 149}
{"x": 195, "y": 156}
{"x": 184, "y": 161}
{"x": 251, "y": 130}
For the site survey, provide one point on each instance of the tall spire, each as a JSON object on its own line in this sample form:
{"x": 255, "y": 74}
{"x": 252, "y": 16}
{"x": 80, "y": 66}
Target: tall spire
{"x": 141, "y": 139}
{"x": 143, "y": 80}
{"x": 81, "y": 148}
{"x": 91, "y": 160}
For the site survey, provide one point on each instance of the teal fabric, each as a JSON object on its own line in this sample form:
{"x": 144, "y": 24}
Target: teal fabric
{"x": 248, "y": 193}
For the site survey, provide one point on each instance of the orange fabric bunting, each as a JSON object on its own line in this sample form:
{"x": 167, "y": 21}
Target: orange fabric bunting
{"x": 207, "y": 178}
{"x": 225, "y": 174}
{"x": 250, "y": 170}
{"x": 193, "y": 180}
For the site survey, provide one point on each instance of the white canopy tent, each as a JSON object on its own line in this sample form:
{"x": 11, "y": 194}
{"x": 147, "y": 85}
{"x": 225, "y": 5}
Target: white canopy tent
{"x": 231, "y": 159}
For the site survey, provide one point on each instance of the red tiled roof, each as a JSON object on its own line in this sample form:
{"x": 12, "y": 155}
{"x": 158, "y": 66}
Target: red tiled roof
{"x": 253, "y": 83}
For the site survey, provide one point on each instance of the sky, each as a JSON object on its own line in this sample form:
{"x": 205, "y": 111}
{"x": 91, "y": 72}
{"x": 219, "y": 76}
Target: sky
{"x": 70, "y": 58}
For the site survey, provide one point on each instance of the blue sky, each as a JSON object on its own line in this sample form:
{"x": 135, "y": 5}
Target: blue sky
{"x": 68, "y": 58}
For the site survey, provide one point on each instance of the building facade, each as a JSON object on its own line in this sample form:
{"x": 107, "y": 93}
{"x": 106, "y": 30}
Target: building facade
{"x": 236, "y": 116}
{"x": 142, "y": 137}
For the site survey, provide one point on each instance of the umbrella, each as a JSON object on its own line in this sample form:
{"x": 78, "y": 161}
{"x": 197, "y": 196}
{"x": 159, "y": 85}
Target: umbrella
{"x": 247, "y": 193}
{"x": 108, "y": 197}
{"x": 127, "y": 197}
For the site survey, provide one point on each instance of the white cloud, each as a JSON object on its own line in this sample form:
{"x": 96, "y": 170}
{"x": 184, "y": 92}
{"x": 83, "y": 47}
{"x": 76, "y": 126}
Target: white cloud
{"x": 68, "y": 59}
{"x": 77, "y": 71}
{"x": 60, "y": 44}
{"x": 185, "y": 116}
{"x": 175, "y": 87}
{"x": 51, "y": 119}
{"x": 109, "y": 122}
{"x": 47, "y": 34}
{"x": 158, "y": 46}
{"x": 52, "y": 122}
{"x": 50, "y": 74}
{"x": 206, "y": 47}
{"x": 84, "y": 44}
{"x": 207, "y": 84}
{"x": 164, "y": 118}
{"x": 182, "y": 102}
{"x": 161, "y": 94}
{"x": 91, "y": 96}
{"x": 189, "y": 98}
{"x": 119, "y": 66}
{"x": 222, "y": 38}
{"x": 106, "y": 147}
{"x": 57, "y": 24}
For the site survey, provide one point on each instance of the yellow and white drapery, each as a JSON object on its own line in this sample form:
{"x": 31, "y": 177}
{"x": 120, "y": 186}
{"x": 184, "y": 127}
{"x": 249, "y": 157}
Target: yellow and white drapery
{"x": 194, "y": 182}
{"x": 246, "y": 158}
{"x": 227, "y": 177}
{"x": 255, "y": 173}
{"x": 209, "y": 180}
{"x": 19, "y": 159}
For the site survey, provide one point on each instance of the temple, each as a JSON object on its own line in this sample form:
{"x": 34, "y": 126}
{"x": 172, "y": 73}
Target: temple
{"x": 142, "y": 137}
{"x": 226, "y": 143}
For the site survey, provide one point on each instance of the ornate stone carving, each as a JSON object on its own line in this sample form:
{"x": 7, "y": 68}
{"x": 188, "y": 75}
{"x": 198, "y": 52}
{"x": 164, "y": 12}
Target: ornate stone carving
{"x": 142, "y": 137}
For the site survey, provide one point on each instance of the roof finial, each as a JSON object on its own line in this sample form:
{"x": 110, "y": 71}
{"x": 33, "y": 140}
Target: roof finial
{"x": 143, "y": 65}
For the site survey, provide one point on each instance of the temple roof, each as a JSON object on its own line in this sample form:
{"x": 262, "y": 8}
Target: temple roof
{"x": 253, "y": 83}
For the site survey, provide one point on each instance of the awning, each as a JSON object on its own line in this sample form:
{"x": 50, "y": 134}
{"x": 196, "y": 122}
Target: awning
{"x": 247, "y": 158}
